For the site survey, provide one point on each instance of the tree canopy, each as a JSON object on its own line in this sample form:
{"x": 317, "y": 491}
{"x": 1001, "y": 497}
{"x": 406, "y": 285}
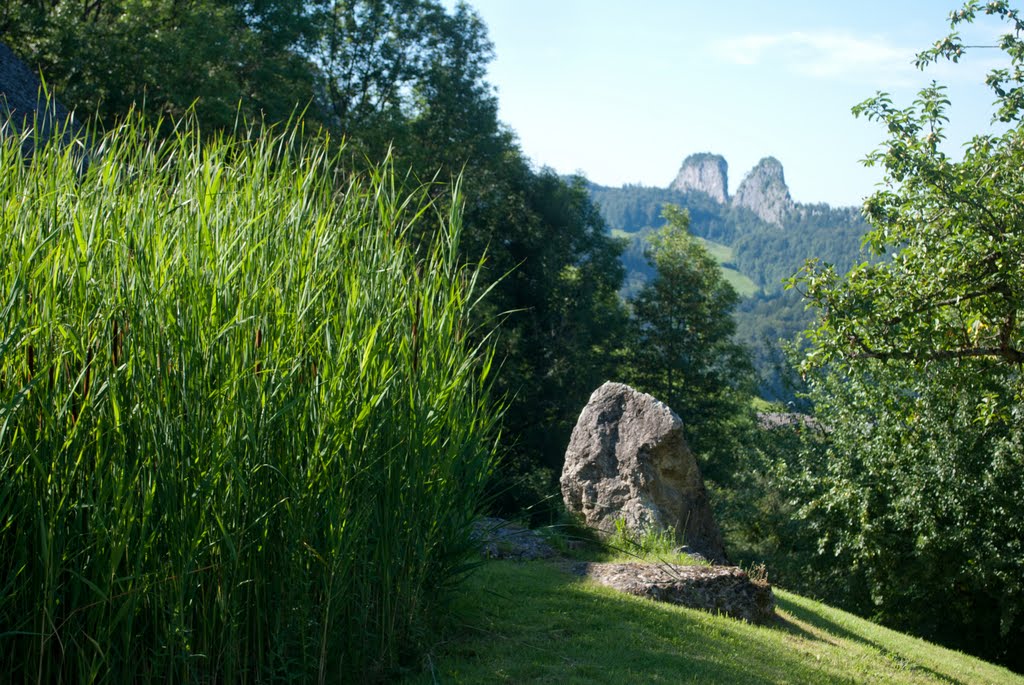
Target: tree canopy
{"x": 682, "y": 349}
{"x": 953, "y": 287}
{"x": 683, "y": 343}
{"x": 912, "y": 496}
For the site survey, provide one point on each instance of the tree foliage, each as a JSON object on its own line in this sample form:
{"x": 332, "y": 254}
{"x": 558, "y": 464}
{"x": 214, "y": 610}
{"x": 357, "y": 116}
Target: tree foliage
{"x": 683, "y": 318}
{"x": 682, "y": 349}
{"x": 564, "y": 324}
{"x": 954, "y": 287}
{"x": 770, "y": 257}
{"x": 913, "y": 506}
{"x": 915, "y": 367}
{"x": 224, "y": 57}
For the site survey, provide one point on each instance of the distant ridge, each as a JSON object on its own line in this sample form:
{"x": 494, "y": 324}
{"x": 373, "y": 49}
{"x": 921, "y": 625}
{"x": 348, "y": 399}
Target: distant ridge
{"x": 759, "y": 235}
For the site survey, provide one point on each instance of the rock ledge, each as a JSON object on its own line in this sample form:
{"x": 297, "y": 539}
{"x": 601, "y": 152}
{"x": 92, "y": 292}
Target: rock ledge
{"x": 501, "y": 539}
{"x": 718, "y": 589}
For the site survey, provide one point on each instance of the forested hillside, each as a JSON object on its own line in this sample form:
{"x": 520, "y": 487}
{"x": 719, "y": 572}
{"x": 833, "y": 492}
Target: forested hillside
{"x": 766, "y": 253}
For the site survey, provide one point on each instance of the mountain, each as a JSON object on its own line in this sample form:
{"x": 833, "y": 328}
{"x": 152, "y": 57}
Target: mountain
{"x": 764, "y": 192}
{"x": 705, "y": 173}
{"x": 760, "y": 236}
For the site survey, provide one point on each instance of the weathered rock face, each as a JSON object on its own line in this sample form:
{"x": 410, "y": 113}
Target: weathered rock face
{"x": 22, "y": 104}
{"x": 718, "y": 589}
{"x": 704, "y": 172}
{"x": 627, "y": 459}
{"x": 764, "y": 192}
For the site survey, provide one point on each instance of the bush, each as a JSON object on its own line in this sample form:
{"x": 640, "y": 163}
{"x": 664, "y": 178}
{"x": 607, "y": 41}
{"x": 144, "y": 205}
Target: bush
{"x": 243, "y": 430}
{"x": 913, "y": 501}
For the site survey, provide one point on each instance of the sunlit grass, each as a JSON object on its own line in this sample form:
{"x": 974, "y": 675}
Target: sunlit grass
{"x": 725, "y": 256}
{"x": 536, "y": 622}
{"x": 658, "y": 546}
{"x": 243, "y": 424}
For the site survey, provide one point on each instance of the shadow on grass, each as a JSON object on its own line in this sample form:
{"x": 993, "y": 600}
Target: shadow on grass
{"x": 816, "y": 619}
{"x": 535, "y": 622}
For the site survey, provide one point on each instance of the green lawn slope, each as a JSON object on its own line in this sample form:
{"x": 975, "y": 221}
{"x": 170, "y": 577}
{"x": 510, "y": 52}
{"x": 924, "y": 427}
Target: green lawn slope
{"x": 535, "y": 622}
{"x": 724, "y": 255}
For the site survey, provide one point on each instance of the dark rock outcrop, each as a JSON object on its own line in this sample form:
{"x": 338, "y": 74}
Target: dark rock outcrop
{"x": 627, "y": 460}
{"x": 718, "y": 589}
{"x": 23, "y": 104}
{"x": 706, "y": 173}
{"x": 501, "y": 539}
{"x": 764, "y": 192}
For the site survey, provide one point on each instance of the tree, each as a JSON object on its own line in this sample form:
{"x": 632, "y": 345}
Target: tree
{"x": 682, "y": 351}
{"x": 224, "y": 57}
{"x": 954, "y": 287}
{"x": 372, "y": 56}
{"x": 563, "y": 324}
{"x": 915, "y": 366}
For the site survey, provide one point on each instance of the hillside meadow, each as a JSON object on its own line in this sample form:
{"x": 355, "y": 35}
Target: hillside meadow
{"x": 535, "y": 622}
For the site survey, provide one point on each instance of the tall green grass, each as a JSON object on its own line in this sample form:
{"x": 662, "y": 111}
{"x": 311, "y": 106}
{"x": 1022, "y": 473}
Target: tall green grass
{"x": 243, "y": 424}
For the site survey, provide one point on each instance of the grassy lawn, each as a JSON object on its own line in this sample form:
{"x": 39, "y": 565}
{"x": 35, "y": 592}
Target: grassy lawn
{"x": 723, "y": 254}
{"x": 534, "y": 622}
{"x": 743, "y": 285}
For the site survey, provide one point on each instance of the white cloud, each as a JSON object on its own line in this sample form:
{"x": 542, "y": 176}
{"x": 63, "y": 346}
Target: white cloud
{"x": 841, "y": 56}
{"x": 822, "y": 54}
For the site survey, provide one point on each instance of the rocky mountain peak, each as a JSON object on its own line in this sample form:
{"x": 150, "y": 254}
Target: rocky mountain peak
{"x": 764, "y": 192}
{"x": 705, "y": 172}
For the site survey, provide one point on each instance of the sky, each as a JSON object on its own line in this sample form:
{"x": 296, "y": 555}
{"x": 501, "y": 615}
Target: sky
{"x": 622, "y": 92}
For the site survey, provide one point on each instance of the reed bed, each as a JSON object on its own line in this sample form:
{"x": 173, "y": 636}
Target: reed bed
{"x": 244, "y": 424}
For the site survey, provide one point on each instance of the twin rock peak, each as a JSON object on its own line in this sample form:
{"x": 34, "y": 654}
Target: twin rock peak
{"x": 763, "y": 190}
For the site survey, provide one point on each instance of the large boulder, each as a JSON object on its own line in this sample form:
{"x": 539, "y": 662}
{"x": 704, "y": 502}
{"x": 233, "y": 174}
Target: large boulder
{"x": 627, "y": 460}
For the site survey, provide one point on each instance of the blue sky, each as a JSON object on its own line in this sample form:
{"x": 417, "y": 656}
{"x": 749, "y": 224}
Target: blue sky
{"x": 623, "y": 91}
